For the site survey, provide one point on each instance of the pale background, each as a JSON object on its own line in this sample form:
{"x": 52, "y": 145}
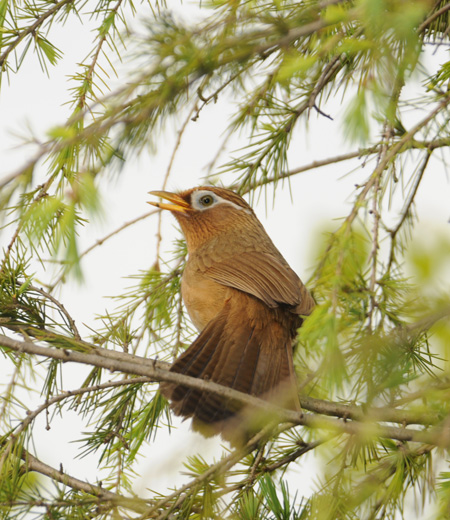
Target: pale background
{"x": 31, "y": 103}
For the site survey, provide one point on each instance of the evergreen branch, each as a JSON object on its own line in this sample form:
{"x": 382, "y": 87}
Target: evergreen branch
{"x": 105, "y": 497}
{"x": 433, "y": 17}
{"x": 61, "y": 307}
{"x": 266, "y": 468}
{"x": 414, "y": 144}
{"x": 90, "y": 71}
{"x": 267, "y": 152}
{"x": 407, "y": 207}
{"x": 126, "y": 114}
{"x": 344, "y": 411}
{"x": 383, "y": 472}
{"x": 392, "y": 153}
{"x": 41, "y": 193}
{"x": 31, "y": 416}
{"x": 31, "y": 29}
{"x": 214, "y": 470}
{"x": 402, "y": 144}
{"x": 297, "y": 56}
{"x": 102, "y": 240}
{"x": 437, "y": 436}
{"x": 329, "y": 72}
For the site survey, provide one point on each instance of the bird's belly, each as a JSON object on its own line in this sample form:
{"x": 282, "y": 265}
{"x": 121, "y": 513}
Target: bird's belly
{"x": 204, "y": 298}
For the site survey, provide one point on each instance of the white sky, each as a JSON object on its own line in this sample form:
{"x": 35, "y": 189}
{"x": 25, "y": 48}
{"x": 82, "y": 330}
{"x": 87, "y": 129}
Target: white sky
{"x": 32, "y": 100}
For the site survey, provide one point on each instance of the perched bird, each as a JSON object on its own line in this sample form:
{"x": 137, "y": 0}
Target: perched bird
{"x": 247, "y": 304}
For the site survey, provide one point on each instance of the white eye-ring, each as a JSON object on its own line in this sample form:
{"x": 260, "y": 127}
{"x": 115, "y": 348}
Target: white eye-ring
{"x": 202, "y": 200}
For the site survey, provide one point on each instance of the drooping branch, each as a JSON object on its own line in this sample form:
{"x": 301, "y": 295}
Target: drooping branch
{"x": 155, "y": 371}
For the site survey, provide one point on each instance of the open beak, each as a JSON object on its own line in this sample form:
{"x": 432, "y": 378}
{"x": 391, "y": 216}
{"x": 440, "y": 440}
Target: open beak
{"x": 177, "y": 203}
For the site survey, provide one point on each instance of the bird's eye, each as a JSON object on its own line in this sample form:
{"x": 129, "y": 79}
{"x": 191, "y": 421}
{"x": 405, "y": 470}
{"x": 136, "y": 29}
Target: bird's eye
{"x": 206, "y": 200}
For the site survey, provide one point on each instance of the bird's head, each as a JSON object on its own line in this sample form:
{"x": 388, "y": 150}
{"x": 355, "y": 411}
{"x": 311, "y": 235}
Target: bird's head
{"x": 207, "y": 212}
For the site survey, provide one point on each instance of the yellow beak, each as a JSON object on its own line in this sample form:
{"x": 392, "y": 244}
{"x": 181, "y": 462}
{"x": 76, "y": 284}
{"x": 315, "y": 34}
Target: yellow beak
{"x": 178, "y": 204}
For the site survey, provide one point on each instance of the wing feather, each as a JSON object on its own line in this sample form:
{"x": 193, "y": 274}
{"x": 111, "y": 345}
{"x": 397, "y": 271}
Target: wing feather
{"x": 261, "y": 274}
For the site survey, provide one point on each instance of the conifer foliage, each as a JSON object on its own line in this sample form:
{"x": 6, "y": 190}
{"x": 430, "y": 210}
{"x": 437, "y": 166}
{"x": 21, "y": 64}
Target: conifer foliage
{"x": 373, "y": 360}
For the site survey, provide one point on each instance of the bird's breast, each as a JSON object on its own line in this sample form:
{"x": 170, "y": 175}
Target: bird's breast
{"x": 203, "y": 297}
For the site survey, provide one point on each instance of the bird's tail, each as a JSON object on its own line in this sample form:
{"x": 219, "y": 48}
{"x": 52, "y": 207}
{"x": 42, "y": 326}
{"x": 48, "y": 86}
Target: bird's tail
{"x": 249, "y": 353}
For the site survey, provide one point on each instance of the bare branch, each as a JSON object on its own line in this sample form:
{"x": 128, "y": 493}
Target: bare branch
{"x": 407, "y": 207}
{"x": 166, "y": 179}
{"x": 305, "y": 448}
{"x": 375, "y": 211}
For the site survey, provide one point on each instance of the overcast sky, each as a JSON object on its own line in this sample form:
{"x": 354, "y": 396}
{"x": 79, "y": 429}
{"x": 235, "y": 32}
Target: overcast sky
{"x": 31, "y": 103}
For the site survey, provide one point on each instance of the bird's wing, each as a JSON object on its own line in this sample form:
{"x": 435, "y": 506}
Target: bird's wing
{"x": 263, "y": 275}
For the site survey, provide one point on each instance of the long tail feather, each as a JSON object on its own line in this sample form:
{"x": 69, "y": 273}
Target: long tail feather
{"x": 252, "y": 355}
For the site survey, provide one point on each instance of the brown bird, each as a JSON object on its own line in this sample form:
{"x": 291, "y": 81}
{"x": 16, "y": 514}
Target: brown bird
{"x": 247, "y": 304}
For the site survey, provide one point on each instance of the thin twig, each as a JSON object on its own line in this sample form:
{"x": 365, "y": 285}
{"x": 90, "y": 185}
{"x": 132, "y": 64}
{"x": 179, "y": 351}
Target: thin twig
{"x": 220, "y": 467}
{"x": 433, "y": 17}
{"x": 90, "y": 71}
{"x": 166, "y": 178}
{"x": 327, "y": 75}
{"x": 7, "y": 395}
{"x": 102, "y": 240}
{"x": 406, "y": 208}
{"x": 305, "y": 448}
{"x": 416, "y": 144}
{"x": 32, "y": 29}
{"x": 215, "y": 94}
{"x": 61, "y": 307}
{"x": 375, "y": 211}
{"x": 33, "y": 464}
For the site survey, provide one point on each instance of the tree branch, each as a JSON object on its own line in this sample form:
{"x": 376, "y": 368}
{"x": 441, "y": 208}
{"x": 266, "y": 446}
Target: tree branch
{"x": 32, "y": 28}
{"x": 433, "y": 17}
{"x": 218, "y": 468}
{"x": 153, "y": 369}
{"x": 413, "y": 144}
{"x": 407, "y": 207}
{"x": 33, "y": 464}
{"x": 102, "y": 240}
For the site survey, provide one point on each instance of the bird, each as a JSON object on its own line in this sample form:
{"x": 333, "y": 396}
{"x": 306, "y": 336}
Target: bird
{"x": 247, "y": 304}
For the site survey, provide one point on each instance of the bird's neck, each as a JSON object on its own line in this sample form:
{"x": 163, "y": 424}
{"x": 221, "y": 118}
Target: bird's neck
{"x": 231, "y": 237}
